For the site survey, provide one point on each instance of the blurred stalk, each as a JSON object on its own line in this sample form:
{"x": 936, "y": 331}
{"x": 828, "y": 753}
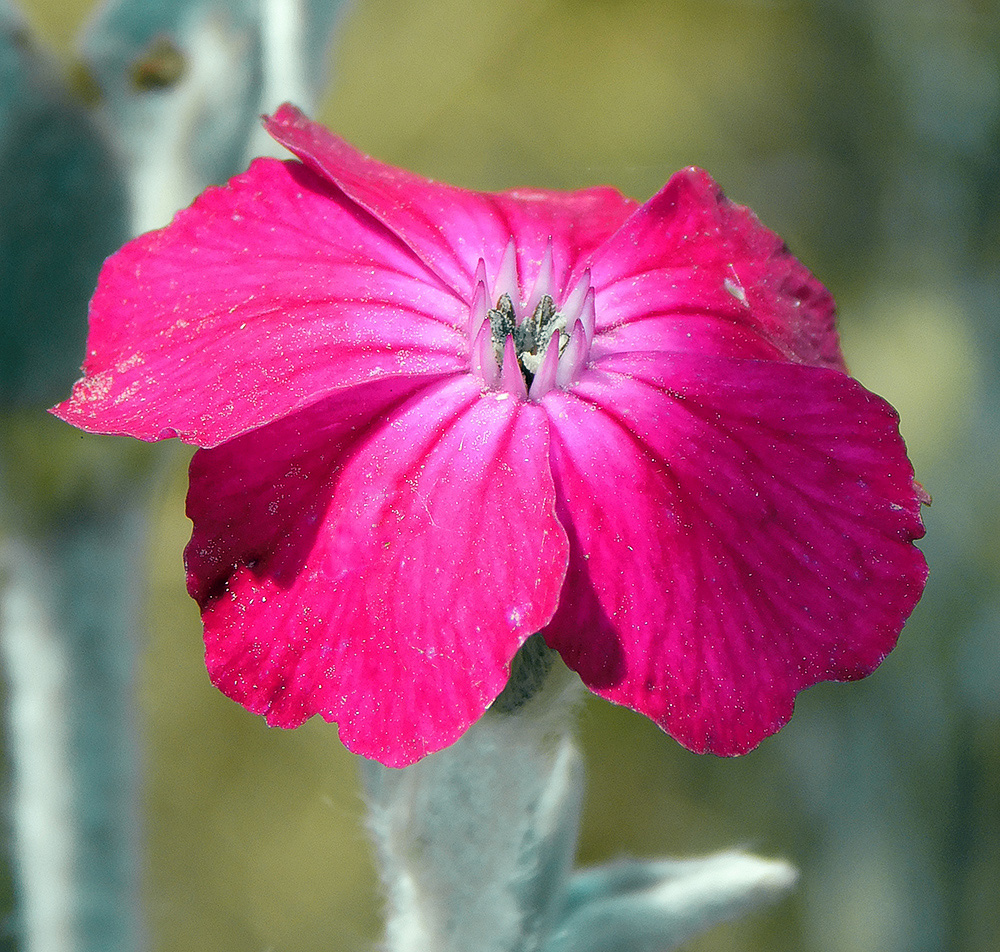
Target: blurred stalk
{"x": 70, "y": 530}
{"x": 69, "y": 652}
{"x": 475, "y": 843}
{"x": 41, "y": 793}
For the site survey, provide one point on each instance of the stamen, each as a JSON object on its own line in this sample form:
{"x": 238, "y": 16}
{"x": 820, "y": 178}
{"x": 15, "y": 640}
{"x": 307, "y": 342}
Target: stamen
{"x": 543, "y": 283}
{"x": 506, "y": 282}
{"x": 503, "y": 322}
{"x": 484, "y": 360}
{"x": 545, "y": 379}
{"x": 511, "y": 378}
{"x": 532, "y": 335}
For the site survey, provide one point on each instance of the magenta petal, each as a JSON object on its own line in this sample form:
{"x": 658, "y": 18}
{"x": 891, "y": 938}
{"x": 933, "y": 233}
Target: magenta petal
{"x": 380, "y": 570}
{"x": 683, "y": 333}
{"x": 739, "y": 531}
{"x": 451, "y": 228}
{"x": 263, "y": 297}
{"x": 691, "y": 255}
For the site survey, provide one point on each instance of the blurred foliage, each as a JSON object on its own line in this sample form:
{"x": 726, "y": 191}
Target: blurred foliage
{"x": 61, "y": 216}
{"x": 866, "y": 133}
{"x": 59, "y": 470}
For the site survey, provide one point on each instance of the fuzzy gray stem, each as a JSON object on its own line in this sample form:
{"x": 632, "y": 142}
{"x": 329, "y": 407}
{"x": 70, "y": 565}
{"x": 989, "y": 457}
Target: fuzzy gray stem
{"x": 475, "y": 842}
{"x": 69, "y": 651}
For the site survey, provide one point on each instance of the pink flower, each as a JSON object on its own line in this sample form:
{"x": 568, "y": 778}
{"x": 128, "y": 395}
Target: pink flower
{"x": 434, "y": 422}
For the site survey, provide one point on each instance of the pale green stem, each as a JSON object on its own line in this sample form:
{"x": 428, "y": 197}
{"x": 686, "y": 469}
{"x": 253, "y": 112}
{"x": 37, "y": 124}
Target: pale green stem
{"x": 475, "y": 842}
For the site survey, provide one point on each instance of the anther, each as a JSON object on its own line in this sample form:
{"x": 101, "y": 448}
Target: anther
{"x": 503, "y": 321}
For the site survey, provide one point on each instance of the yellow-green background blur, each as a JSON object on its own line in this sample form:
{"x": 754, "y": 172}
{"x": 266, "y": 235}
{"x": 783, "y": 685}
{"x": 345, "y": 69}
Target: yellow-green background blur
{"x": 810, "y": 113}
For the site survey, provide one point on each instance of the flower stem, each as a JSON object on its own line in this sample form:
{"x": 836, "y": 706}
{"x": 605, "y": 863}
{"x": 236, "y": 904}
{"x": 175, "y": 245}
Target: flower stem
{"x": 475, "y": 843}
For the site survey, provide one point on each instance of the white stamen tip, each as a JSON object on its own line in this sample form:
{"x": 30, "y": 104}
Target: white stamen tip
{"x": 545, "y": 379}
{"x": 588, "y": 316}
{"x": 574, "y": 356}
{"x": 506, "y": 282}
{"x": 543, "y": 283}
{"x": 478, "y": 310}
{"x": 484, "y": 361}
{"x": 480, "y": 277}
{"x": 511, "y": 378}
{"x": 572, "y": 305}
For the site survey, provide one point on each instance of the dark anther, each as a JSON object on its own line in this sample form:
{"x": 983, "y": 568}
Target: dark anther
{"x": 502, "y": 321}
{"x": 531, "y": 336}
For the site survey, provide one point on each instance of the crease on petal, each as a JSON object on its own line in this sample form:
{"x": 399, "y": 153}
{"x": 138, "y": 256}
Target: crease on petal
{"x": 450, "y": 228}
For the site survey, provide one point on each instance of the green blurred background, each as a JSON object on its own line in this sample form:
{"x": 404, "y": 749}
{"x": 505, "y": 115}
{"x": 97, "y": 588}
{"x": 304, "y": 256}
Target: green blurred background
{"x": 867, "y": 134}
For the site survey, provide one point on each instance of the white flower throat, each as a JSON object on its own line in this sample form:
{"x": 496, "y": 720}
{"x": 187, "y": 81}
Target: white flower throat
{"x": 527, "y": 347}
{"x": 531, "y": 337}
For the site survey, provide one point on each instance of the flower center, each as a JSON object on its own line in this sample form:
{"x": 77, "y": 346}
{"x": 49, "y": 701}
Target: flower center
{"x": 531, "y": 337}
{"x": 528, "y": 347}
